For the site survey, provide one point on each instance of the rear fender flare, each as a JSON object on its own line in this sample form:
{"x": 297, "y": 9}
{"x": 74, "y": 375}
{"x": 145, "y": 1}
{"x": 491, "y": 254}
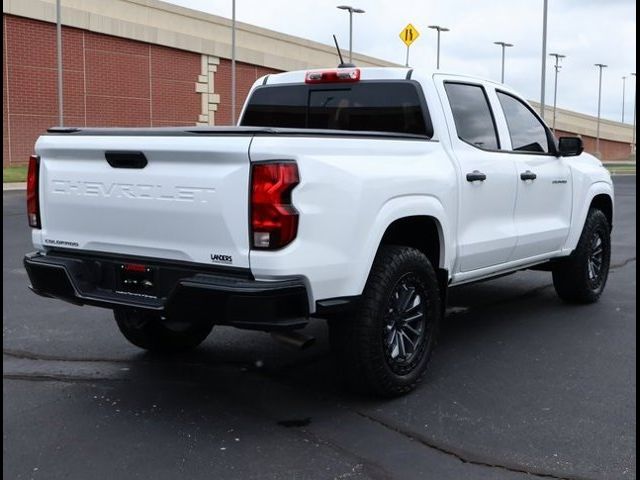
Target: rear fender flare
{"x": 396, "y": 209}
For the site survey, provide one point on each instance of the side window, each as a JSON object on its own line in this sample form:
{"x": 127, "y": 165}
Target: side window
{"x": 527, "y": 133}
{"x": 472, "y": 115}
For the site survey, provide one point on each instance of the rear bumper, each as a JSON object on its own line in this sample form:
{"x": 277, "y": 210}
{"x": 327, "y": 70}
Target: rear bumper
{"x": 194, "y": 292}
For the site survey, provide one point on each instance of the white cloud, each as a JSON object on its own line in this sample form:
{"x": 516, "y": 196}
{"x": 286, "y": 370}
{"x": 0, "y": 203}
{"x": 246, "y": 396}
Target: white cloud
{"x": 587, "y": 31}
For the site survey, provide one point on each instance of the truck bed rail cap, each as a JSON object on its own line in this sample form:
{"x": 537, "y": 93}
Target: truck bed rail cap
{"x": 225, "y": 131}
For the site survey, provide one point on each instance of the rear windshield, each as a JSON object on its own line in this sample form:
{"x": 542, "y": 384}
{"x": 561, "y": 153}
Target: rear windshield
{"x": 395, "y": 107}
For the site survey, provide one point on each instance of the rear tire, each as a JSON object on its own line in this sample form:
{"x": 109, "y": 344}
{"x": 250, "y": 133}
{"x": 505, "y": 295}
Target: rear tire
{"x": 581, "y": 277}
{"x": 152, "y": 332}
{"x": 385, "y": 346}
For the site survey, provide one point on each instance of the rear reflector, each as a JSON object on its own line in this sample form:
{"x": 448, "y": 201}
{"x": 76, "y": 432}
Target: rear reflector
{"x": 33, "y": 201}
{"x": 341, "y": 75}
{"x": 274, "y": 220}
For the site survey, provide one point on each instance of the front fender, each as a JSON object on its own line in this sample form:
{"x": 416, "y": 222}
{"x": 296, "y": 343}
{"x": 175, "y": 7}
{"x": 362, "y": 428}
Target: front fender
{"x": 581, "y": 210}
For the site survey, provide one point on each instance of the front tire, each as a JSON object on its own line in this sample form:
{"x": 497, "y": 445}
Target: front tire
{"x": 152, "y": 332}
{"x": 582, "y": 276}
{"x": 384, "y": 348}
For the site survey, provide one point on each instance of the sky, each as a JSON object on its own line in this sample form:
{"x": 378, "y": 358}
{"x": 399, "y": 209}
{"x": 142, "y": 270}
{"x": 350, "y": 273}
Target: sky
{"x": 586, "y": 31}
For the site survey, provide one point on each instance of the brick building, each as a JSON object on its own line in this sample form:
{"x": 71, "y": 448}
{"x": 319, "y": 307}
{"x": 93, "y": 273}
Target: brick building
{"x": 615, "y": 137}
{"x": 171, "y": 69}
{"x": 148, "y": 63}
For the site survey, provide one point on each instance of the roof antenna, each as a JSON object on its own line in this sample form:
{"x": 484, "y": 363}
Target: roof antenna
{"x": 342, "y": 63}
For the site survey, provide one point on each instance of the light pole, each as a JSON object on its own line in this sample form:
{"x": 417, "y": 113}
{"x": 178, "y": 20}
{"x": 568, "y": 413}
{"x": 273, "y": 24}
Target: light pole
{"x": 504, "y": 46}
{"x": 544, "y": 57}
{"x": 59, "y": 54}
{"x": 439, "y": 29}
{"x": 555, "y": 86}
{"x": 624, "y": 81}
{"x": 351, "y": 10}
{"x": 233, "y": 62}
{"x": 633, "y": 147}
{"x": 600, "y": 67}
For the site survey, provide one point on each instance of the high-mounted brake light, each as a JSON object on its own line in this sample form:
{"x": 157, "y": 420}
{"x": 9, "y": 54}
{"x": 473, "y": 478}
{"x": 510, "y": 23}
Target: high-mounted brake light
{"x": 274, "y": 220}
{"x": 33, "y": 201}
{"x": 134, "y": 267}
{"x": 341, "y": 75}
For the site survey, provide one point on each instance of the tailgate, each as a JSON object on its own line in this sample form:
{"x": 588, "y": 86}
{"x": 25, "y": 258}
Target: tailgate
{"x": 189, "y": 203}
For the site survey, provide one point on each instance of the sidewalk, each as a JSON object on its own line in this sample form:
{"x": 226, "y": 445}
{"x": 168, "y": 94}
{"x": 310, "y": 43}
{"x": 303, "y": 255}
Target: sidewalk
{"x": 621, "y": 167}
{"x": 14, "y": 186}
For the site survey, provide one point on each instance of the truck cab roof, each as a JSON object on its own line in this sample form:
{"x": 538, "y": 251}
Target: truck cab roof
{"x": 366, "y": 73}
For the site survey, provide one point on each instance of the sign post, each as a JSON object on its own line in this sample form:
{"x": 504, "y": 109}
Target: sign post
{"x": 408, "y": 35}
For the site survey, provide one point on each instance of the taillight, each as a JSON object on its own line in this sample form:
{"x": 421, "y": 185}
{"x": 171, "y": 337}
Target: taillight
{"x": 341, "y": 75}
{"x": 274, "y": 220}
{"x": 33, "y": 202}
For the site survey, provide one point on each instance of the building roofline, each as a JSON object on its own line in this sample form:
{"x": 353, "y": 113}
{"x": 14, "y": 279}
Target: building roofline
{"x": 161, "y": 23}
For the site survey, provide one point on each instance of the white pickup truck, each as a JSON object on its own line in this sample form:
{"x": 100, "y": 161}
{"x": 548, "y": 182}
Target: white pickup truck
{"x": 354, "y": 195}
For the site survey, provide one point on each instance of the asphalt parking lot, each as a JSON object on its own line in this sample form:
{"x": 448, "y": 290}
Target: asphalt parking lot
{"x": 521, "y": 386}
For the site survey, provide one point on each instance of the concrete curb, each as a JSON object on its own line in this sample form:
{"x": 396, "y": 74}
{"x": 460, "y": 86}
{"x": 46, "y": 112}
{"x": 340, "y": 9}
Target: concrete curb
{"x": 14, "y": 186}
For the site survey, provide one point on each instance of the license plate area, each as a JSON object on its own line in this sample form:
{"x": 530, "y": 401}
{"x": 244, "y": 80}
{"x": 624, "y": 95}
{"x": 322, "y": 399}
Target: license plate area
{"x": 137, "y": 279}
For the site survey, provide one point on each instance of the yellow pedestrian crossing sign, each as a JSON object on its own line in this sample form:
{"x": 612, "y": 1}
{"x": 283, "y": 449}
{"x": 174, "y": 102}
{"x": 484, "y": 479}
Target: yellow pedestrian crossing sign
{"x": 409, "y": 34}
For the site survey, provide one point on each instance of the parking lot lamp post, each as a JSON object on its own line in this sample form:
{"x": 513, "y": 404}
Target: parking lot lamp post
{"x": 233, "y": 62}
{"x": 504, "y": 46}
{"x": 555, "y": 86}
{"x": 59, "y": 59}
{"x": 633, "y": 146}
{"x": 439, "y": 29}
{"x": 543, "y": 75}
{"x": 600, "y": 67}
{"x": 624, "y": 81}
{"x": 351, "y": 11}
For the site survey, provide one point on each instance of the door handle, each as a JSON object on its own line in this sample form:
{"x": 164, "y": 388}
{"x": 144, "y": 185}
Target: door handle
{"x": 476, "y": 176}
{"x": 528, "y": 175}
{"x": 123, "y": 159}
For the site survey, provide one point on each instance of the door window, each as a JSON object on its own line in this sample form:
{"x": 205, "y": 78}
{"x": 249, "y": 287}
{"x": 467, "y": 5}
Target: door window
{"x": 472, "y": 115}
{"x": 527, "y": 133}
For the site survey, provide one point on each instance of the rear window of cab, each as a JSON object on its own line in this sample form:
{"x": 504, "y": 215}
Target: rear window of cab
{"x": 374, "y": 106}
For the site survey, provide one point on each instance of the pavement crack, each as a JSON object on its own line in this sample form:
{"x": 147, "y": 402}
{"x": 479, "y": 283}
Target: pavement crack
{"x": 623, "y": 264}
{"x": 39, "y": 377}
{"x": 371, "y": 468}
{"x": 25, "y": 355}
{"x": 463, "y": 457}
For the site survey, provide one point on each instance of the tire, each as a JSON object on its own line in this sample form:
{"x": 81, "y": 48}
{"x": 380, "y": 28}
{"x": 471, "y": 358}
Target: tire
{"x": 376, "y": 352}
{"x": 581, "y": 277}
{"x": 152, "y": 332}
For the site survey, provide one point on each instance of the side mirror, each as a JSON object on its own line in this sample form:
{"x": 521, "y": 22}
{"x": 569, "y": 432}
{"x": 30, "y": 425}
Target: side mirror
{"x": 570, "y": 146}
